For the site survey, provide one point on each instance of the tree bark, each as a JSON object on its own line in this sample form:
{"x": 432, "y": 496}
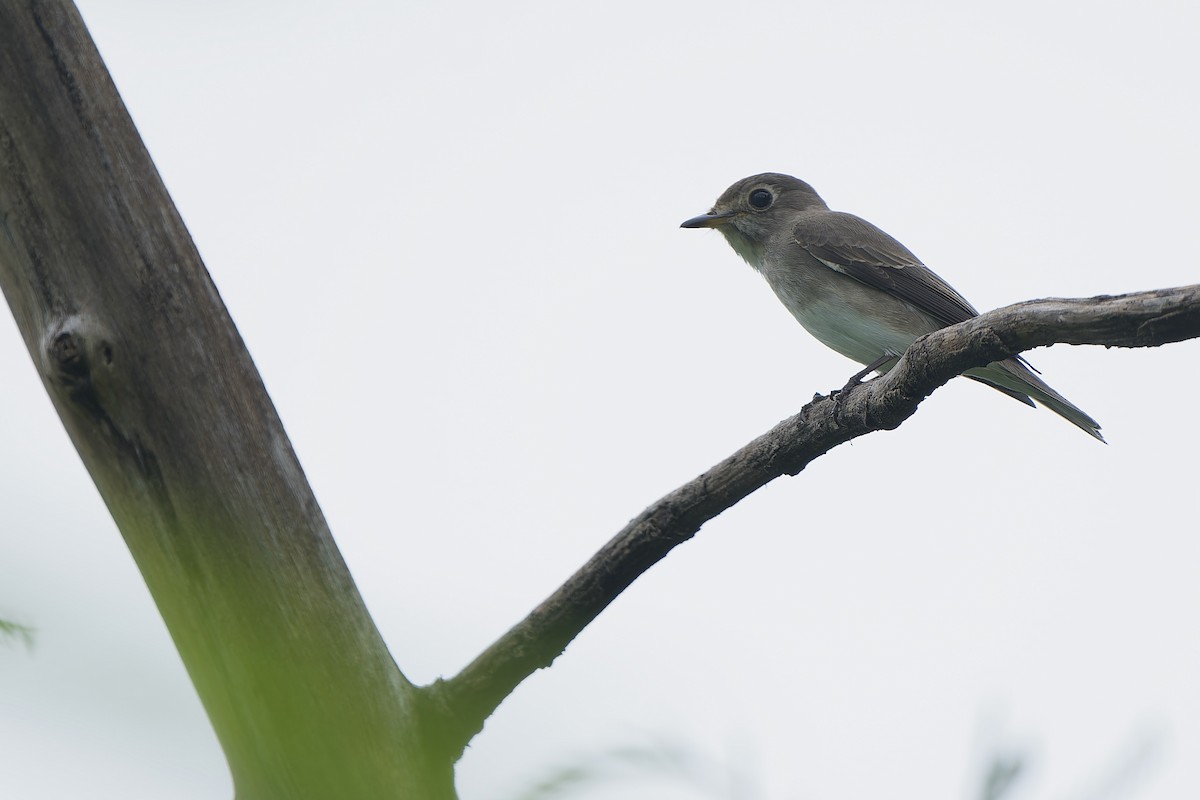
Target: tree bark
{"x": 168, "y": 413}
{"x": 170, "y": 417}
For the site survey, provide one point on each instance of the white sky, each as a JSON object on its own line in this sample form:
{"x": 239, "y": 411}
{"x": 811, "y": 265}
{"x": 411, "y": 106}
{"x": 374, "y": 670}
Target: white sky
{"x": 449, "y": 235}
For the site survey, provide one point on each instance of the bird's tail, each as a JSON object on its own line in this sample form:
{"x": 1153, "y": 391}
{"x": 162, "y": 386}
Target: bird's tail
{"x": 1019, "y": 382}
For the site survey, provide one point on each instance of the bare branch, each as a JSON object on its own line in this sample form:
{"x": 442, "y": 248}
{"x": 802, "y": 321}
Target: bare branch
{"x": 1142, "y": 319}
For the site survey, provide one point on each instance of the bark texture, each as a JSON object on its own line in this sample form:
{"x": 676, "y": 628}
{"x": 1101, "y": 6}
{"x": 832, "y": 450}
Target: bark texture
{"x": 170, "y": 417}
{"x": 168, "y": 413}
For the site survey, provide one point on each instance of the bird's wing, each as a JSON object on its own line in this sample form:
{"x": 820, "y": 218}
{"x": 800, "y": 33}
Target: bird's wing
{"x": 855, "y": 247}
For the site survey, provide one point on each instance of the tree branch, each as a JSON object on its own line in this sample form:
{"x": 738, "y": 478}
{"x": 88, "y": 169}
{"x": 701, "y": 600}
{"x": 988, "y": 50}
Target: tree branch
{"x": 169, "y": 415}
{"x": 1141, "y": 319}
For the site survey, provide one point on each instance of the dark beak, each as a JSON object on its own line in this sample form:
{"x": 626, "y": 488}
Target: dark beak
{"x": 706, "y": 220}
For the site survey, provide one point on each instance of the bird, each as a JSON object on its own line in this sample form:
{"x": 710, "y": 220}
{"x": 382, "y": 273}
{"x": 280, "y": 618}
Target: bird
{"x": 853, "y": 287}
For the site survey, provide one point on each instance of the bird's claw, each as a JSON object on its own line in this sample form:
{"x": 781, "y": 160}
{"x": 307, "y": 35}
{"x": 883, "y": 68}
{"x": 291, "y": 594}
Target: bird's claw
{"x": 839, "y": 395}
{"x": 856, "y": 379}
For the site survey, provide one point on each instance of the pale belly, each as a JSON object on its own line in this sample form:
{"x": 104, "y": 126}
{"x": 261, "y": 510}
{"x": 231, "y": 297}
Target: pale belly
{"x": 858, "y": 321}
{"x": 861, "y": 337}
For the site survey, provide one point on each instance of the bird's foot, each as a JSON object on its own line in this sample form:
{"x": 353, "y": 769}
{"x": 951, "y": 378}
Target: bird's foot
{"x": 856, "y": 379}
{"x": 839, "y": 395}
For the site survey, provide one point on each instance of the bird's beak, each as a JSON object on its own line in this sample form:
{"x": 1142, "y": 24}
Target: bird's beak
{"x": 707, "y": 220}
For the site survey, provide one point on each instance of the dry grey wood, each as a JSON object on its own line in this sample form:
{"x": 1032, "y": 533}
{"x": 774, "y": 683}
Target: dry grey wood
{"x": 170, "y": 417}
{"x": 1142, "y": 319}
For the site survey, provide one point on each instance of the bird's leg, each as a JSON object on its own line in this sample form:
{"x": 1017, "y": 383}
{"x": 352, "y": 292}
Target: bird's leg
{"x": 856, "y": 379}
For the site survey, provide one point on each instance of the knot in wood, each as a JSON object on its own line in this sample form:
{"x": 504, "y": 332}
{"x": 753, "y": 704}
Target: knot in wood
{"x": 68, "y": 357}
{"x": 72, "y": 352}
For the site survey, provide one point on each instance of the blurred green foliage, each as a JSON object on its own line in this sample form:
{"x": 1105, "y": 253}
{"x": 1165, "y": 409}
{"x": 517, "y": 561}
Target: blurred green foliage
{"x": 11, "y": 631}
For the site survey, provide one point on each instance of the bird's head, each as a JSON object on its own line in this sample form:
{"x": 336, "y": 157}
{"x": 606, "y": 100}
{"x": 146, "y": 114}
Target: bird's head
{"x": 755, "y": 209}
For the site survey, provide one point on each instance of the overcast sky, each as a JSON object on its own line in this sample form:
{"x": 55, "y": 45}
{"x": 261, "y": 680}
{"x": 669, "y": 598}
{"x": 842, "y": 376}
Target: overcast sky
{"x": 449, "y": 236}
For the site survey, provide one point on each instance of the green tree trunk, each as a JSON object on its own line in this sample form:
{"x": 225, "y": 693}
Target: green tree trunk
{"x": 169, "y": 414}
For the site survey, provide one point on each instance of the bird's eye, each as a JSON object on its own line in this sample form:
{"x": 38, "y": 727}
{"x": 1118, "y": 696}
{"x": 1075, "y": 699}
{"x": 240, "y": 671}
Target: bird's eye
{"x": 761, "y": 199}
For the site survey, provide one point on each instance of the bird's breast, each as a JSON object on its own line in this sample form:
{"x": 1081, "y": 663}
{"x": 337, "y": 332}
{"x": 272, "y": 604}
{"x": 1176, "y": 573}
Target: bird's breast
{"x": 859, "y": 321}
